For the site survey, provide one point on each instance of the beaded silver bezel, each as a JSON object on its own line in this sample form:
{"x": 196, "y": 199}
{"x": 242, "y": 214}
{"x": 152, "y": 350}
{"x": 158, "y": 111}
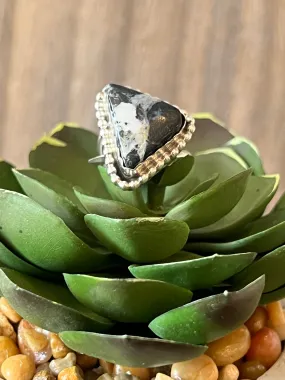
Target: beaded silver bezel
{"x": 133, "y": 178}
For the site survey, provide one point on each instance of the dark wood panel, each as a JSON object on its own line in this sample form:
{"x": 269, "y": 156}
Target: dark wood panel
{"x": 223, "y": 56}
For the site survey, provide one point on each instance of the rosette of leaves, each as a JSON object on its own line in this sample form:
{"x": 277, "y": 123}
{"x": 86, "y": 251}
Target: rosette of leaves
{"x": 147, "y": 277}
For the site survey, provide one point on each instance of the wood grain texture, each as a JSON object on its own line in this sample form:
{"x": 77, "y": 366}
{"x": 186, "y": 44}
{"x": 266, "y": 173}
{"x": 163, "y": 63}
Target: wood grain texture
{"x": 222, "y": 56}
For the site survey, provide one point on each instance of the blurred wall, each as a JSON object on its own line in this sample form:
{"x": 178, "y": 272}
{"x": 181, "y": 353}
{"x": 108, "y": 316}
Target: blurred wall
{"x": 222, "y": 56}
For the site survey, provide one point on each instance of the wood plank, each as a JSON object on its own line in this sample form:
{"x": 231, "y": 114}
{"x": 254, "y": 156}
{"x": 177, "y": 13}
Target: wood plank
{"x": 223, "y": 56}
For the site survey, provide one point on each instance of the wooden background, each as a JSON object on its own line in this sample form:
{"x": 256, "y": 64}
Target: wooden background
{"x": 222, "y": 56}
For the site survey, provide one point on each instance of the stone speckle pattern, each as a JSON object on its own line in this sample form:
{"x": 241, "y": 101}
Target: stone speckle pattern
{"x": 142, "y": 124}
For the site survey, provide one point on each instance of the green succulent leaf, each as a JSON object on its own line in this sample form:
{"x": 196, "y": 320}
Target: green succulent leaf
{"x": 133, "y": 198}
{"x": 259, "y": 241}
{"x": 55, "y": 195}
{"x": 275, "y": 295}
{"x": 264, "y": 223}
{"x": 212, "y": 166}
{"x": 249, "y": 153}
{"x": 280, "y": 204}
{"x": 7, "y": 179}
{"x": 107, "y": 207}
{"x": 126, "y": 300}
{"x": 270, "y": 265}
{"x": 202, "y": 186}
{"x": 131, "y": 351}
{"x": 210, "y": 133}
{"x": 177, "y": 170}
{"x": 77, "y": 137}
{"x": 195, "y": 273}
{"x": 176, "y": 194}
{"x": 10, "y": 260}
{"x": 258, "y": 193}
{"x": 223, "y": 161}
{"x": 139, "y": 240}
{"x": 69, "y": 160}
{"x": 210, "y": 318}
{"x": 43, "y": 239}
{"x": 211, "y": 205}
{"x": 53, "y": 182}
{"x": 47, "y": 305}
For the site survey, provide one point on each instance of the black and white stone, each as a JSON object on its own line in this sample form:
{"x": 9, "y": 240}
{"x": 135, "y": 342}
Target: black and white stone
{"x": 142, "y": 124}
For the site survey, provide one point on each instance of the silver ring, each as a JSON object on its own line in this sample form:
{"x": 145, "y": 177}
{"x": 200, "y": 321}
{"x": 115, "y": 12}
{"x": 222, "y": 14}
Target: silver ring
{"x": 138, "y": 134}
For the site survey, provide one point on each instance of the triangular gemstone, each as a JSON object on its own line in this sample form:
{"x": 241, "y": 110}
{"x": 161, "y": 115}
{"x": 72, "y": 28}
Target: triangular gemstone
{"x": 142, "y": 124}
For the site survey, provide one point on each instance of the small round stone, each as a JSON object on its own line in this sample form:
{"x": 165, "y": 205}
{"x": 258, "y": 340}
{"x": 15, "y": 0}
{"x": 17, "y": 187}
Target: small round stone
{"x": 200, "y": 368}
{"x": 275, "y": 314}
{"x": 58, "y": 348}
{"x": 8, "y": 311}
{"x": 252, "y": 370}
{"x": 71, "y": 373}
{"x": 229, "y": 372}
{"x": 43, "y": 367}
{"x": 6, "y": 329}
{"x": 43, "y": 375}
{"x": 58, "y": 365}
{"x": 265, "y": 347}
{"x": 18, "y": 367}
{"x": 107, "y": 366}
{"x": 7, "y": 348}
{"x": 86, "y": 362}
{"x": 230, "y": 348}
{"x": 258, "y": 320}
{"x": 33, "y": 343}
{"x": 142, "y": 373}
{"x": 162, "y": 376}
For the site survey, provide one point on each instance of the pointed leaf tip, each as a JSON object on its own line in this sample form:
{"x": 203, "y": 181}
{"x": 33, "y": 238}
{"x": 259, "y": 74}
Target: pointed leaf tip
{"x": 148, "y": 298}
{"x": 206, "y": 208}
{"x": 47, "y": 305}
{"x": 210, "y": 318}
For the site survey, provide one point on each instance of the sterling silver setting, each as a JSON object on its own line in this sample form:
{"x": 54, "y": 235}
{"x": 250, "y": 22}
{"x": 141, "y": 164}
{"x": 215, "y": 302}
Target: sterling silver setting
{"x": 133, "y": 178}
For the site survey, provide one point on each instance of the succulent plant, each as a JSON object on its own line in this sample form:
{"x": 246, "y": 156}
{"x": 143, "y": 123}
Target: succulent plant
{"x": 147, "y": 277}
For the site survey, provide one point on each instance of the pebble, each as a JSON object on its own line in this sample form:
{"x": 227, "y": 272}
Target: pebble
{"x": 229, "y": 372}
{"x": 33, "y": 343}
{"x": 258, "y": 320}
{"x": 71, "y": 373}
{"x": 142, "y": 373}
{"x": 275, "y": 313}
{"x": 18, "y": 367}
{"x": 58, "y": 348}
{"x": 125, "y": 376}
{"x": 58, "y": 365}
{"x": 162, "y": 376}
{"x": 265, "y": 347}
{"x": 43, "y": 367}
{"x": 200, "y": 368}
{"x": 8, "y": 311}
{"x": 86, "y": 362}
{"x": 164, "y": 370}
{"x": 6, "y": 329}
{"x": 44, "y": 375}
{"x": 107, "y": 366}
{"x": 7, "y": 348}
{"x": 277, "y": 318}
{"x": 230, "y": 348}
{"x": 252, "y": 370}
